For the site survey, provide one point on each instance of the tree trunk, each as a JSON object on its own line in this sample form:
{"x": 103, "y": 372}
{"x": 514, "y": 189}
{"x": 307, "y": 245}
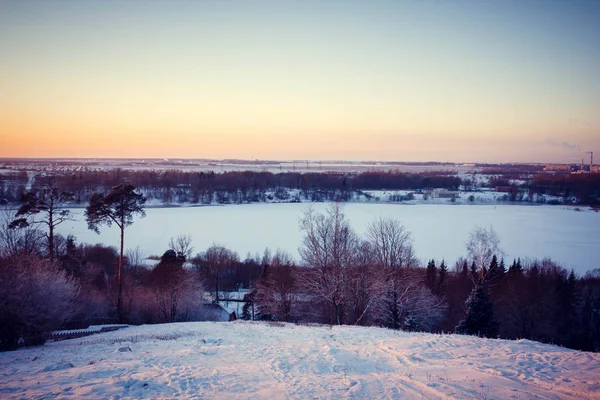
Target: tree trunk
{"x": 119, "y": 283}
{"x": 51, "y": 236}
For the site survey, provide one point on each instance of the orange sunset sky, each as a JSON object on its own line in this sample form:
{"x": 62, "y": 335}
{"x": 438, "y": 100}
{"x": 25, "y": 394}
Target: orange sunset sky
{"x": 464, "y": 81}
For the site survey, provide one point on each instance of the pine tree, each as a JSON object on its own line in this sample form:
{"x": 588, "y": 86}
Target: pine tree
{"x": 479, "y": 320}
{"x": 49, "y": 201}
{"x": 118, "y": 206}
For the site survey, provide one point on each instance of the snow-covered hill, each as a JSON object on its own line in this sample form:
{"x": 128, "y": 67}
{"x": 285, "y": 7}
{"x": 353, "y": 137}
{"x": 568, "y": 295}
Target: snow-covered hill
{"x": 272, "y": 360}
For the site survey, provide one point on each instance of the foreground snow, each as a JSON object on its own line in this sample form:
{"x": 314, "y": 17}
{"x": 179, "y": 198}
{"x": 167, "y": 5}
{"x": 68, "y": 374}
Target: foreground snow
{"x": 262, "y": 360}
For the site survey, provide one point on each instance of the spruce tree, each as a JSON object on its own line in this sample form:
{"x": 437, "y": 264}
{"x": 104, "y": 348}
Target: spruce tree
{"x": 442, "y": 280}
{"x": 465, "y": 268}
{"x": 479, "y": 320}
{"x": 474, "y": 274}
{"x": 513, "y": 266}
{"x": 493, "y": 265}
{"x": 431, "y": 276}
{"x": 501, "y": 268}
{"x": 497, "y": 270}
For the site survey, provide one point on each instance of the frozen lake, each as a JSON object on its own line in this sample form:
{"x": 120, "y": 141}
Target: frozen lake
{"x": 568, "y": 237}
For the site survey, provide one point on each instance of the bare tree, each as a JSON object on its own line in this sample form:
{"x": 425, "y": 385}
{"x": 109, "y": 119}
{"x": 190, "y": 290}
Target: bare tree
{"x": 173, "y": 286}
{"x": 482, "y": 245}
{"x": 282, "y": 257}
{"x": 135, "y": 257}
{"x": 390, "y": 249}
{"x": 182, "y": 245}
{"x": 212, "y": 263}
{"x": 267, "y": 257}
{"x": 50, "y": 201}
{"x": 390, "y": 244}
{"x": 365, "y": 288}
{"x": 329, "y": 250}
{"x": 276, "y": 290}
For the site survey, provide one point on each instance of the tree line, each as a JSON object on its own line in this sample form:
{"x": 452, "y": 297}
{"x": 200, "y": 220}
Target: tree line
{"x": 50, "y": 282}
{"x": 174, "y": 186}
{"x": 345, "y": 279}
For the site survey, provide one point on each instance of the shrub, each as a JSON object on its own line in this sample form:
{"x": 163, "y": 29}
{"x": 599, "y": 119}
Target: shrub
{"x": 37, "y": 297}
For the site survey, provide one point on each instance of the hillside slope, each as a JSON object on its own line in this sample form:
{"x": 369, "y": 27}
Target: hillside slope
{"x": 272, "y": 360}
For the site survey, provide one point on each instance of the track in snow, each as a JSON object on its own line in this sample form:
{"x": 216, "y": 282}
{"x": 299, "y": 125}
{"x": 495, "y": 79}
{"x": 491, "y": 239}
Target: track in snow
{"x": 272, "y": 360}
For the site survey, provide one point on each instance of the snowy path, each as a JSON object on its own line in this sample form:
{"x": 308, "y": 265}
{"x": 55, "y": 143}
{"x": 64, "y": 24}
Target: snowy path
{"x": 259, "y": 360}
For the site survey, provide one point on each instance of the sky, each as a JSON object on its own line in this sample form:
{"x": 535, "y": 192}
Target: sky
{"x": 459, "y": 81}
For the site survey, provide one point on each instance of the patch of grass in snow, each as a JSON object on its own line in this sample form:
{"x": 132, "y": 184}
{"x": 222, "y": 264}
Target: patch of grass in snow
{"x": 139, "y": 338}
{"x": 276, "y": 323}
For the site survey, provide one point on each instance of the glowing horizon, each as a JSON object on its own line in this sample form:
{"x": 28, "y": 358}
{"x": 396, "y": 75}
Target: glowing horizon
{"x": 386, "y": 81}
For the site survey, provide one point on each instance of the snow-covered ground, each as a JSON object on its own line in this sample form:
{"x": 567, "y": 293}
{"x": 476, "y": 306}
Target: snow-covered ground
{"x": 255, "y": 360}
{"x": 54, "y": 165}
{"x": 488, "y": 196}
{"x": 569, "y": 237}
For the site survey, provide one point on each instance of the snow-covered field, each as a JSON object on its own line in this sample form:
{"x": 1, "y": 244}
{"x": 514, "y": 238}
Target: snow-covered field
{"x": 569, "y": 237}
{"x": 243, "y": 360}
{"x": 228, "y": 166}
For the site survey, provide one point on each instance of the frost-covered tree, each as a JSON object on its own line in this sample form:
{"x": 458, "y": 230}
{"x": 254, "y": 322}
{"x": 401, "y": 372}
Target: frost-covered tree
{"x": 329, "y": 251}
{"x": 481, "y": 246}
{"x": 390, "y": 244}
{"x": 408, "y": 304}
{"x": 37, "y": 297}
{"x": 276, "y": 292}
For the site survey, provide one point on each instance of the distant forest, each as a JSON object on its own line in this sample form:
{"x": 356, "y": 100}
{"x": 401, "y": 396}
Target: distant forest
{"x": 172, "y": 186}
